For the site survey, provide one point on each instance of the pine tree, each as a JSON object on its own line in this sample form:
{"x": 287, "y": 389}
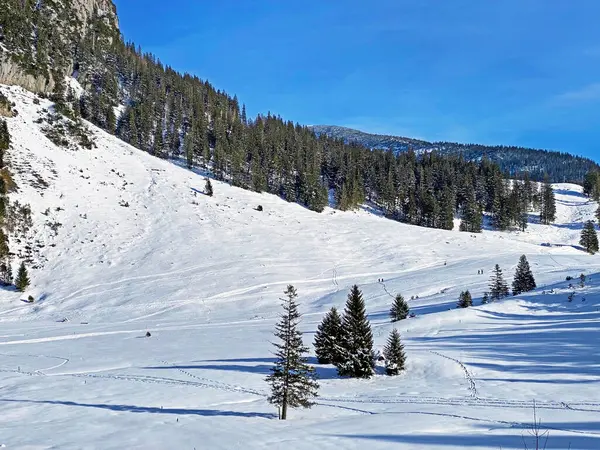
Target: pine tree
{"x": 393, "y": 352}
{"x": 548, "y": 204}
{"x": 589, "y": 238}
{"x": 22, "y": 281}
{"x": 399, "y": 309}
{"x": 356, "y": 358}
{"x": 6, "y": 275}
{"x": 486, "y": 299}
{"x": 327, "y": 338}
{"x": 498, "y": 287}
{"x": 523, "y": 281}
{"x": 208, "y": 189}
{"x": 292, "y": 380}
{"x": 465, "y": 300}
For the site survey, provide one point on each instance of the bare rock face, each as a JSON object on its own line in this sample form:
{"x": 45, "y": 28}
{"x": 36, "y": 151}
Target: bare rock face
{"x": 85, "y": 8}
{"x": 12, "y": 73}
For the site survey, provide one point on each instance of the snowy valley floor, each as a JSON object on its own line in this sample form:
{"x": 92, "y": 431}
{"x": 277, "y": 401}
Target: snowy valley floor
{"x": 204, "y": 275}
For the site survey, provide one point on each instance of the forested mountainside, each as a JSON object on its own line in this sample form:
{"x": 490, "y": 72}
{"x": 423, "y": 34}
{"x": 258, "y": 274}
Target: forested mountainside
{"x": 560, "y": 167}
{"x": 132, "y": 94}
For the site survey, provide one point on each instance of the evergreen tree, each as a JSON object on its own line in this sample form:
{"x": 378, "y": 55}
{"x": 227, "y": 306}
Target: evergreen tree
{"x": 356, "y": 357}
{"x": 472, "y": 217}
{"x": 498, "y": 287}
{"x": 208, "y": 189}
{"x": 22, "y": 281}
{"x": 589, "y": 238}
{"x": 523, "y": 281}
{"x": 327, "y": 338}
{"x": 292, "y": 380}
{"x": 4, "y": 141}
{"x": 465, "y": 300}
{"x": 399, "y": 309}
{"x": 393, "y": 352}
{"x": 6, "y": 276}
{"x": 486, "y": 299}
{"x": 591, "y": 185}
{"x": 548, "y": 204}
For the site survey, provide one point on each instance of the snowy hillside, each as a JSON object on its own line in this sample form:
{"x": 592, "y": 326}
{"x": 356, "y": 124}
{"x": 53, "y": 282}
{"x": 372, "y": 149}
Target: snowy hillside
{"x": 141, "y": 248}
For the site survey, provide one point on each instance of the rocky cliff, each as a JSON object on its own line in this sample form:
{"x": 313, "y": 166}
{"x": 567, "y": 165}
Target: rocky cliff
{"x": 41, "y": 42}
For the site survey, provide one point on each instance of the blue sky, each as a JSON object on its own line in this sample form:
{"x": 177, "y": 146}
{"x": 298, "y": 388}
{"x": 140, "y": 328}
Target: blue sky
{"x": 522, "y": 72}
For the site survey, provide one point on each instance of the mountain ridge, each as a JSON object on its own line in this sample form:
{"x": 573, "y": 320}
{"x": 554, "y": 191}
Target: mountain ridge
{"x": 511, "y": 159}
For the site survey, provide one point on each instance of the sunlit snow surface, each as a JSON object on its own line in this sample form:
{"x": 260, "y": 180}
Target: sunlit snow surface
{"x": 204, "y": 274}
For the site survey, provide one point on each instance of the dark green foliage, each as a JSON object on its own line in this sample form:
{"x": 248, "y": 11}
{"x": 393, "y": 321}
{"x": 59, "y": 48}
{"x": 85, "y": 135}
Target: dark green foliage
{"x": 292, "y": 380}
{"x": 560, "y": 167}
{"x": 328, "y": 338}
{"x": 6, "y": 276}
{"x": 174, "y": 115}
{"x": 400, "y": 309}
{"x": 22, "y": 281}
{"x": 591, "y": 185}
{"x": 356, "y": 356}
{"x": 486, "y": 298}
{"x": 393, "y": 352}
{"x": 465, "y": 300}
{"x": 498, "y": 287}
{"x": 472, "y": 217}
{"x": 523, "y": 281}
{"x": 589, "y": 238}
{"x": 547, "y": 204}
{"x": 4, "y": 141}
{"x": 208, "y": 189}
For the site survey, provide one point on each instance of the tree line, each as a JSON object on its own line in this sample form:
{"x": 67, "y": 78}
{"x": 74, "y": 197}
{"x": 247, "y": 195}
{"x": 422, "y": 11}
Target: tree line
{"x": 171, "y": 115}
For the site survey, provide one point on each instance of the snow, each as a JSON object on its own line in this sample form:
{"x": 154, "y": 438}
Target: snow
{"x": 204, "y": 276}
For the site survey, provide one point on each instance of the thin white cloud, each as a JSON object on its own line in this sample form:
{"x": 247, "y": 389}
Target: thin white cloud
{"x": 589, "y": 93}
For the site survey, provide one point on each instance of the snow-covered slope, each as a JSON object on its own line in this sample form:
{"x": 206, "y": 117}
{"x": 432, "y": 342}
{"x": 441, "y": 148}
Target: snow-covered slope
{"x": 204, "y": 275}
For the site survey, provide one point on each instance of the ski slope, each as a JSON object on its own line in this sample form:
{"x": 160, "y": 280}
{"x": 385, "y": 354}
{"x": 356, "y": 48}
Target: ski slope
{"x": 204, "y": 274}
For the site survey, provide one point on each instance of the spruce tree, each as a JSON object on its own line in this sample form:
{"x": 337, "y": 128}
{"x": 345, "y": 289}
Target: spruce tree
{"x": 486, "y": 299}
{"x": 292, "y": 380}
{"x": 523, "y": 281}
{"x": 399, "y": 309}
{"x": 327, "y": 338}
{"x": 22, "y": 281}
{"x": 498, "y": 287}
{"x": 356, "y": 357}
{"x": 589, "y": 238}
{"x": 548, "y": 204}
{"x": 465, "y": 300}
{"x": 393, "y": 352}
{"x": 208, "y": 189}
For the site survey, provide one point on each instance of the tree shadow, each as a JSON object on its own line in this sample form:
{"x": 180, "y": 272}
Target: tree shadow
{"x": 323, "y": 372}
{"x": 479, "y": 440}
{"x": 150, "y": 409}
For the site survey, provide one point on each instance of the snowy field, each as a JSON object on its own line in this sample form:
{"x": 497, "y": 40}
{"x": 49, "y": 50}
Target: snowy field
{"x": 204, "y": 275}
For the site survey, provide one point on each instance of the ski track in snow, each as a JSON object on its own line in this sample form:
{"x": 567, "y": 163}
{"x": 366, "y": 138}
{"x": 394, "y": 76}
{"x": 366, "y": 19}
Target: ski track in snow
{"x": 205, "y": 276}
